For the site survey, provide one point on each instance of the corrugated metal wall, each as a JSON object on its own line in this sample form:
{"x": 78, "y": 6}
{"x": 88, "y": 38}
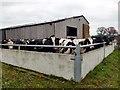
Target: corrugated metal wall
{"x": 31, "y": 32}
{"x": 60, "y": 27}
{"x": 0, "y": 35}
{"x": 46, "y": 30}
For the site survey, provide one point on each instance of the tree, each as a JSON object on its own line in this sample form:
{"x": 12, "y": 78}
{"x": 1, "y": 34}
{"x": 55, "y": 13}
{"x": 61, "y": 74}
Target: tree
{"x": 112, "y": 31}
{"x": 106, "y": 31}
{"x": 101, "y": 31}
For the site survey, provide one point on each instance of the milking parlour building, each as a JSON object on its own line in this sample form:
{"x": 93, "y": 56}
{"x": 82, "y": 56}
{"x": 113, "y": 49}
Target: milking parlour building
{"x": 73, "y": 27}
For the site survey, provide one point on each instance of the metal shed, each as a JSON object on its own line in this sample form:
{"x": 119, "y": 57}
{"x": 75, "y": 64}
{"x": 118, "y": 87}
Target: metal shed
{"x": 77, "y": 27}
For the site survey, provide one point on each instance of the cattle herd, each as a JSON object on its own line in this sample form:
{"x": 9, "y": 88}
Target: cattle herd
{"x": 52, "y": 40}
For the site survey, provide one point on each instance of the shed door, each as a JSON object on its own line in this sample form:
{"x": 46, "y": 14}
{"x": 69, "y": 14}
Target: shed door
{"x": 85, "y": 31}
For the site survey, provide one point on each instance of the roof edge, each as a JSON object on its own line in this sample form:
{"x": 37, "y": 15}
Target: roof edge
{"x": 27, "y": 25}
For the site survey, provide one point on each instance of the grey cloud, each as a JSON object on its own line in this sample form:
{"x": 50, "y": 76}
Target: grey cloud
{"x": 97, "y": 12}
{"x": 8, "y": 4}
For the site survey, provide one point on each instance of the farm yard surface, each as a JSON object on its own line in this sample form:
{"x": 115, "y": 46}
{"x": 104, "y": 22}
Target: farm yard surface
{"x": 105, "y": 75}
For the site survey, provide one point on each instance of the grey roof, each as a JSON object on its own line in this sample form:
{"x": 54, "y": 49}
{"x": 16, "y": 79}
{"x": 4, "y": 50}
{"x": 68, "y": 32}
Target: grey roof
{"x": 28, "y": 25}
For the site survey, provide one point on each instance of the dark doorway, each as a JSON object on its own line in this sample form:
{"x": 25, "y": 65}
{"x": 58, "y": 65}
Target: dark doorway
{"x": 3, "y": 34}
{"x": 71, "y": 31}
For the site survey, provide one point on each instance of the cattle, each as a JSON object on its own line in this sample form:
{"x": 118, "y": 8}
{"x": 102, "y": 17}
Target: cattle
{"x": 108, "y": 39}
{"x": 35, "y": 42}
{"x": 4, "y": 42}
{"x": 52, "y": 40}
{"x": 66, "y": 42}
{"x": 48, "y": 41}
{"x": 20, "y": 41}
{"x": 9, "y": 41}
{"x": 74, "y": 42}
{"x": 112, "y": 38}
{"x": 100, "y": 39}
{"x": 87, "y": 41}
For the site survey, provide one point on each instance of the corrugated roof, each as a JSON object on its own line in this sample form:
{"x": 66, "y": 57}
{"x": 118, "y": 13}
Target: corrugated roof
{"x": 20, "y": 26}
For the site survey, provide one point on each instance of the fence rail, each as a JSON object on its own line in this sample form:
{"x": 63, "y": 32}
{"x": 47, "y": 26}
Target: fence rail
{"x": 56, "y": 46}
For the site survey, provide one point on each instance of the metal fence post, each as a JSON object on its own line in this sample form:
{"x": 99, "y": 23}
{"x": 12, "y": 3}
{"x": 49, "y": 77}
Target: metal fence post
{"x": 19, "y": 47}
{"x": 77, "y": 65}
{"x": 104, "y": 48}
{"x": 0, "y": 46}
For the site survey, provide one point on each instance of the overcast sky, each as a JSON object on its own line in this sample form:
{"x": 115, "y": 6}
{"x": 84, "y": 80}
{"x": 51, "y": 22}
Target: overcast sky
{"x": 100, "y": 13}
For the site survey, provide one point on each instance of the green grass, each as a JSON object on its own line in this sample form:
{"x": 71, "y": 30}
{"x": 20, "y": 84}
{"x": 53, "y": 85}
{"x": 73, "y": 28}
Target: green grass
{"x": 105, "y": 75}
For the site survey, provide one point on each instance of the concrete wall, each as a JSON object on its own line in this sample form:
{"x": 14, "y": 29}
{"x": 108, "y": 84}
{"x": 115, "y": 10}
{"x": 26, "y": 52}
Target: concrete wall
{"x": 56, "y": 64}
{"x": 47, "y": 63}
{"x": 91, "y": 59}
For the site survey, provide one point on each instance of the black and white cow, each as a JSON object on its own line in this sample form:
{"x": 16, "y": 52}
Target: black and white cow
{"x": 108, "y": 39}
{"x": 34, "y": 42}
{"x": 100, "y": 39}
{"x": 52, "y": 40}
{"x": 9, "y": 41}
{"x": 87, "y": 41}
{"x": 74, "y": 42}
{"x": 4, "y": 42}
{"x": 66, "y": 42}
{"x": 20, "y": 41}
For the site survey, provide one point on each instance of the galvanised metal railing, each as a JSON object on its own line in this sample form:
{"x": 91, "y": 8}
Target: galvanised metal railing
{"x": 56, "y": 46}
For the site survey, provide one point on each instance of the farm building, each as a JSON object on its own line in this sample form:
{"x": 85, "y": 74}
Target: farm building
{"x": 77, "y": 27}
